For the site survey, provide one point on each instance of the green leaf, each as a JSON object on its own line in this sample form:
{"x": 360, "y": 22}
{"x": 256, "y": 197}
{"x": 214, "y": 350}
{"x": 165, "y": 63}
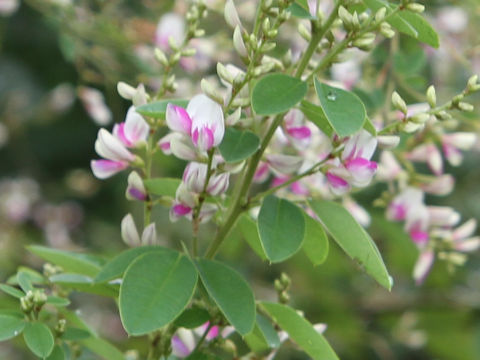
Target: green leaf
{"x": 85, "y": 284}
{"x": 263, "y": 337}
{"x": 299, "y": 11}
{"x": 316, "y": 115}
{"x": 57, "y": 354}
{"x": 35, "y": 277}
{"x": 343, "y": 109}
{"x": 368, "y": 125}
{"x": 39, "y": 339}
{"x": 300, "y": 331}
{"x": 276, "y": 93}
{"x": 103, "y": 348}
{"x": 155, "y": 290}
{"x": 115, "y": 268}
{"x": 75, "y": 334}
{"x": 69, "y": 261}
{"x": 57, "y": 301}
{"x": 157, "y": 109}
{"x": 248, "y": 227}
{"x": 24, "y": 281}
{"x": 230, "y": 292}
{"x": 162, "y": 186}
{"x": 192, "y": 318}
{"x": 352, "y": 238}
{"x": 10, "y": 290}
{"x": 10, "y": 326}
{"x": 408, "y": 22}
{"x": 315, "y": 242}
{"x": 238, "y": 145}
{"x": 281, "y": 227}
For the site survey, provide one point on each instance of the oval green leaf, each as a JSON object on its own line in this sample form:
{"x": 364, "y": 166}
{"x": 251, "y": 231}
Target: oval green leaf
{"x": 103, "y": 348}
{"x": 248, "y": 227}
{"x": 238, "y": 145}
{"x": 157, "y": 109}
{"x": 39, "y": 339}
{"x": 315, "y": 242}
{"x": 300, "y": 331}
{"x": 162, "y": 186}
{"x": 343, "y": 109}
{"x": 192, "y": 318}
{"x": 156, "y": 289}
{"x": 115, "y": 268}
{"x": 276, "y": 93}
{"x": 10, "y": 326}
{"x": 57, "y": 354}
{"x": 85, "y": 284}
{"x": 13, "y": 291}
{"x": 315, "y": 114}
{"x": 57, "y": 301}
{"x": 352, "y": 238}
{"x": 281, "y": 226}
{"x": 230, "y": 292}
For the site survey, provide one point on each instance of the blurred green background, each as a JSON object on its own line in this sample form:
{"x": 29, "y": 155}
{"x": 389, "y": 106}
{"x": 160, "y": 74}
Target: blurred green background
{"x": 48, "y": 53}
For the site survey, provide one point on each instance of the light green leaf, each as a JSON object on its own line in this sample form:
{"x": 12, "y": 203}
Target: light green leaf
{"x": 343, "y": 109}
{"x": 249, "y": 230}
{"x": 408, "y": 22}
{"x": 276, "y": 93}
{"x": 238, "y": 145}
{"x": 13, "y": 291}
{"x": 57, "y": 301}
{"x": 192, "y": 318}
{"x": 57, "y": 354}
{"x": 75, "y": 334}
{"x": 300, "y": 331}
{"x": 156, "y": 288}
{"x": 230, "y": 292}
{"x": 24, "y": 281}
{"x": 299, "y": 11}
{"x": 10, "y": 326}
{"x": 368, "y": 125}
{"x": 281, "y": 227}
{"x": 162, "y": 186}
{"x": 103, "y": 348}
{"x": 85, "y": 284}
{"x": 315, "y": 242}
{"x": 157, "y": 109}
{"x": 115, "y": 268}
{"x": 69, "y": 261}
{"x": 39, "y": 339}
{"x": 352, "y": 238}
{"x": 263, "y": 337}
{"x": 315, "y": 114}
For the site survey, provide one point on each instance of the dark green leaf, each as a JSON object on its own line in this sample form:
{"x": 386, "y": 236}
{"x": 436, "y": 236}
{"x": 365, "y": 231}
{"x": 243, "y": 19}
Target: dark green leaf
{"x": 10, "y": 290}
{"x": 75, "y": 334}
{"x": 281, "y": 227}
{"x": 315, "y": 243}
{"x": 192, "y": 318}
{"x": 10, "y": 326}
{"x": 162, "y": 186}
{"x": 69, "y": 261}
{"x": 57, "y": 301}
{"x": 368, "y": 125}
{"x": 85, "y": 284}
{"x": 352, "y": 238}
{"x": 57, "y": 354}
{"x": 238, "y": 145}
{"x": 39, "y": 339}
{"x": 230, "y": 292}
{"x": 343, "y": 109}
{"x": 24, "y": 281}
{"x": 103, "y": 348}
{"x": 316, "y": 115}
{"x": 156, "y": 288}
{"x": 157, "y": 109}
{"x": 263, "y": 337}
{"x": 299, "y": 11}
{"x": 276, "y": 93}
{"x": 115, "y": 268}
{"x": 249, "y": 230}
{"x": 300, "y": 331}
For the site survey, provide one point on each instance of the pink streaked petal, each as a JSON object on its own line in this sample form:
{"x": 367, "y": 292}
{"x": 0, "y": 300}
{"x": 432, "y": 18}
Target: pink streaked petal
{"x": 454, "y": 156}
{"x": 423, "y": 266}
{"x": 178, "y": 119}
{"x": 468, "y": 245}
{"x": 338, "y": 185}
{"x": 136, "y": 128}
{"x": 434, "y": 160}
{"x": 299, "y": 189}
{"x": 203, "y": 138}
{"x": 465, "y": 230}
{"x": 137, "y": 194}
{"x": 302, "y": 132}
{"x": 103, "y": 169}
{"x": 397, "y": 212}
{"x": 362, "y": 170}
{"x": 119, "y": 132}
{"x": 419, "y": 237}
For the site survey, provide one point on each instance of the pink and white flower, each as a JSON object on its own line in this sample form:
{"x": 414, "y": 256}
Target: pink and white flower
{"x": 452, "y": 144}
{"x": 195, "y": 175}
{"x": 133, "y": 131}
{"x": 135, "y": 189}
{"x": 171, "y": 27}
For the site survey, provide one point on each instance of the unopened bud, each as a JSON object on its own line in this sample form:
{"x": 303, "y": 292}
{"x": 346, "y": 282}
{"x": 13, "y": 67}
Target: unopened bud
{"x": 380, "y": 15}
{"x": 224, "y": 74}
{"x": 211, "y": 92}
{"x": 399, "y": 103}
{"x": 287, "y": 58}
{"x": 355, "y": 21}
{"x": 285, "y": 280}
{"x": 472, "y": 83}
{"x": 61, "y": 325}
{"x": 189, "y": 52}
{"x": 304, "y": 32}
{"x": 241, "y": 102}
{"x": 234, "y": 117}
{"x": 266, "y": 25}
{"x": 149, "y": 235}
{"x": 172, "y": 43}
{"x": 365, "y": 42}
{"x": 346, "y": 18}
{"x": 39, "y": 298}
{"x": 231, "y": 14}
{"x": 420, "y": 118}
{"x": 129, "y": 231}
{"x": 411, "y": 127}
{"x": 386, "y": 30}
{"x": 125, "y": 91}
{"x": 238, "y": 42}
{"x": 278, "y": 285}
{"x": 418, "y": 8}
{"x": 464, "y": 106}
{"x": 268, "y": 46}
{"x": 284, "y": 297}
{"x": 199, "y": 33}
{"x": 431, "y": 96}
{"x": 161, "y": 57}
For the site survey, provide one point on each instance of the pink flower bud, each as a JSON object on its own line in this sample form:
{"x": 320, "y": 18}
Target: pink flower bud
{"x": 178, "y": 119}
{"x": 443, "y": 216}
{"x": 442, "y": 185}
{"x": 103, "y": 169}
{"x": 183, "y": 343}
{"x": 133, "y": 131}
{"x": 465, "y": 230}
{"x": 423, "y": 266}
{"x": 388, "y": 168}
{"x": 129, "y": 231}
{"x": 358, "y": 212}
{"x": 94, "y": 103}
{"x": 109, "y": 147}
{"x": 338, "y": 185}
{"x": 135, "y": 189}
{"x": 430, "y": 154}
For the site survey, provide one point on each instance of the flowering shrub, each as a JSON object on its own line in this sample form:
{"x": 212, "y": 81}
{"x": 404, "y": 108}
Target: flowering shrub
{"x": 274, "y": 150}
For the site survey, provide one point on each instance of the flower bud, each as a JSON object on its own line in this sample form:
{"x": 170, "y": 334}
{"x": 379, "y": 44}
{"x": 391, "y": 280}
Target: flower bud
{"x": 472, "y": 83}
{"x": 285, "y": 164}
{"x": 125, "y": 91}
{"x": 234, "y": 117}
{"x": 399, "y": 103}
{"x": 304, "y": 32}
{"x": 211, "y": 92}
{"x": 161, "y": 57}
{"x": 386, "y": 30}
{"x": 268, "y": 46}
{"x": 431, "y": 96}
{"x": 415, "y": 7}
{"x": 189, "y": 52}
{"x": 129, "y": 231}
{"x": 420, "y": 118}
{"x": 135, "y": 189}
{"x": 365, "y": 42}
{"x": 182, "y": 148}
{"x": 346, "y": 18}
{"x": 441, "y": 185}
{"x": 149, "y": 235}
{"x": 39, "y": 298}
{"x": 464, "y": 106}
{"x": 231, "y": 15}
{"x": 238, "y": 42}
{"x": 411, "y": 127}
{"x": 380, "y": 14}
